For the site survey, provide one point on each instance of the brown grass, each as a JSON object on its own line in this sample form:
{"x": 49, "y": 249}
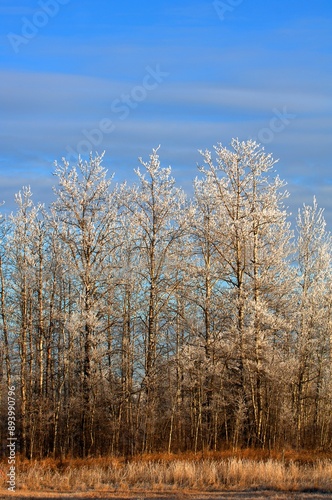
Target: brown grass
{"x": 245, "y": 469}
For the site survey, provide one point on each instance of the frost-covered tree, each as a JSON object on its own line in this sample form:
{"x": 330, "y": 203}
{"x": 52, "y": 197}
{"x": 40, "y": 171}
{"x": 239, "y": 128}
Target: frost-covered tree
{"x": 252, "y": 238}
{"x": 132, "y": 320}
{"x": 85, "y": 218}
{"x": 6, "y": 368}
{"x": 312, "y": 374}
{"x": 157, "y": 208}
{"x": 23, "y": 295}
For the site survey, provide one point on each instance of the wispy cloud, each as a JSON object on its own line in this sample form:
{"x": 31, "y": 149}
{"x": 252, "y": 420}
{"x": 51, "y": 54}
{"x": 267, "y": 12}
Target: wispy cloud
{"x": 226, "y": 80}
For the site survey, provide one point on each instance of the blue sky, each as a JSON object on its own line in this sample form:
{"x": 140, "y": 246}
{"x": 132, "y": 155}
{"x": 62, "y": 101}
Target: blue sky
{"x": 127, "y": 76}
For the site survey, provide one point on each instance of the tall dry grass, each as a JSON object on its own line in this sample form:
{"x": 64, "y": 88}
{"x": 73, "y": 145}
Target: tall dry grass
{"x": 172, "y": 475}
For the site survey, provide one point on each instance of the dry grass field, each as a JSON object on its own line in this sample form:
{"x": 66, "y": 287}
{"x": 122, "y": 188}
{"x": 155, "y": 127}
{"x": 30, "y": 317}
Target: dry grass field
{"x": 245, "y": 475}
{"x": 239, "y": 495}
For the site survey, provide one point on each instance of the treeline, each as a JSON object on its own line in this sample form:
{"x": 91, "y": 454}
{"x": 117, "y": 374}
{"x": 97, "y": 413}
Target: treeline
{"x": 135, "y": 320}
